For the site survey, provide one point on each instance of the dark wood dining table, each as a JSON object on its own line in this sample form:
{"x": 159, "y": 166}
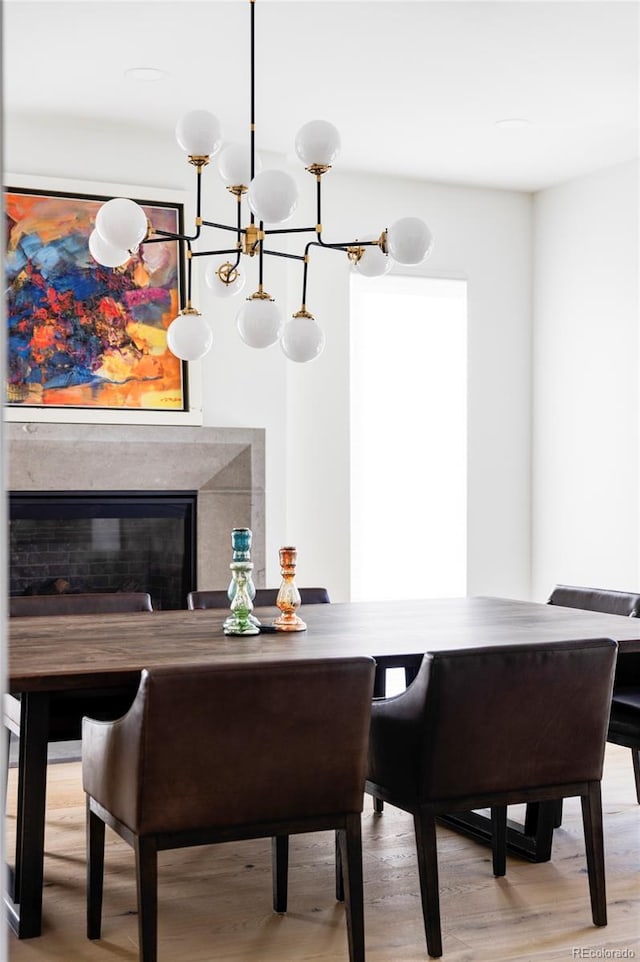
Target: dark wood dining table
{"x": 105, "y": 653}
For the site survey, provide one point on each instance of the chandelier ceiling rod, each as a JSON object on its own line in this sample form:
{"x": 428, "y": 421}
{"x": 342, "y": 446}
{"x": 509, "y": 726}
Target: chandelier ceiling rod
{"x": 122, "y": 230}
{"x": 252, "y": 127}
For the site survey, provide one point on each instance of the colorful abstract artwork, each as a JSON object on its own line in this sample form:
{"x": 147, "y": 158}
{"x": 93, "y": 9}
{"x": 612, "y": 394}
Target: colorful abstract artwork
{"x": 81, "y": 335}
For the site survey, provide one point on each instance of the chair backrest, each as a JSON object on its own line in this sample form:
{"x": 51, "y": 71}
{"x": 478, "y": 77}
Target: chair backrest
{"x": 235, "y": 744}
{"x": 89, "y": 603}
{"x": 491, "y": 720}
{"x": 265, "y": 598}
{"x": 596, "y": 599}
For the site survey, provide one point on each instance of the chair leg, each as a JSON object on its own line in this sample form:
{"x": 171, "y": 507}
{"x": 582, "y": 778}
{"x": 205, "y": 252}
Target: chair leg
{"x": 339, "y": 875}
{"x": 635, "y": 755}
{"x": 425, "y": 829}
{"x": 499, "y": 839}
{"x": 280, "y": 871}
{"x": 410, "y": 673}
{"x": 6, "y": 767}
{"x": 19, "y": 812}
{"x": 379, "y": 691}
{"x": 594, "y": 844}
{"x": 5, "y": 794}
{"x": 380, "y": 682}
{"x": 557, "y": 808}
{"x": 95, "y": 872}
{"x": 349, "y": 839}
{"x": 146, "y": 852}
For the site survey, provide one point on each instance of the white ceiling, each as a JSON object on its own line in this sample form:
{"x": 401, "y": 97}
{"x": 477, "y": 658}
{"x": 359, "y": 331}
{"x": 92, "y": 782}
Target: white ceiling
{"x": 414, "y": 87}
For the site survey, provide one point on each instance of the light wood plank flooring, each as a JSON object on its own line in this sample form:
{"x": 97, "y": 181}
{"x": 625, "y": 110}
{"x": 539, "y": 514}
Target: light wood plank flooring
{"x": 215, "y": 902}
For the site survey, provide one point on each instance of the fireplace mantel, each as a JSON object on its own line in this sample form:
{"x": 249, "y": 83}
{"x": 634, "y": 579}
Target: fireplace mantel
{"x": 224, "y": 465}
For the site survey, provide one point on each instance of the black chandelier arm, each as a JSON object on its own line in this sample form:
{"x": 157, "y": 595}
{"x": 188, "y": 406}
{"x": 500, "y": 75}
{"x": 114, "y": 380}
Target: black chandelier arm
{"x": 189, "y": 272}
{"x": 210, "y": 223}
{"x": 198, "y": 194}
{"x": 166, "y": 235}
{"x": 238, "y": 251}
{"x": 304, "y": 278}
{"x": 294, "y": 257}
{"x": 231, "y": 250}
{"x": 343, "y": 245}
{"x": 292, "y": 230}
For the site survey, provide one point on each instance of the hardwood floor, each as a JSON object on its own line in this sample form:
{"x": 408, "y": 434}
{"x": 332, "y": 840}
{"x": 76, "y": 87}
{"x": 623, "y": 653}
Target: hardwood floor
{"x": 215, "y": 902}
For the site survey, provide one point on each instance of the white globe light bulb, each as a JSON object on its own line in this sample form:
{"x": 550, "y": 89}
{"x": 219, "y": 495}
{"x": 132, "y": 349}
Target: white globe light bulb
{"x": 122, "y": 223}
{"x": 224, "y": 279}
{"x": 234, "y": 165}
{"x": 259, "y": 322}
{"x": 105, "y": 253}
{"x": 273, "y": 196}
{"x": 373, "y": 263}
{"x": 302, "y": 338}
{"x": 199, "y": 133}
{"x": 409, "y": 240}
{"x": 317, "y": 143}
{"x": 189, "y": 336}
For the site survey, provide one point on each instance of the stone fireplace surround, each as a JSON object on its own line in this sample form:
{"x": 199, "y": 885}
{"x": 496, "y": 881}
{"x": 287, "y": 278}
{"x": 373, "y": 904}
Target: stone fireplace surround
{"x": 224, "y": 465}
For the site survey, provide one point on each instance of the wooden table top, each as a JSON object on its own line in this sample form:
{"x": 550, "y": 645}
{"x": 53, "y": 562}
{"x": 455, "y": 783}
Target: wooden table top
{"x": 69, "y": 652}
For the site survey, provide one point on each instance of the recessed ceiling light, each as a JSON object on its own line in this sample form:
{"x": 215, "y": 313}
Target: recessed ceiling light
{"x": 145, "y": 74}
{"x": 513, "y": 123}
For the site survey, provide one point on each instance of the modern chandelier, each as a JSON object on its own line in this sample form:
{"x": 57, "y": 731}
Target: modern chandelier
{"x": 121, "y": 227}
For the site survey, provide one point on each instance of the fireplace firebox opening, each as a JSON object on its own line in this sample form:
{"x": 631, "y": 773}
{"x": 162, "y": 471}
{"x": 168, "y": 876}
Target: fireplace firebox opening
{"x": 63, "y": 541}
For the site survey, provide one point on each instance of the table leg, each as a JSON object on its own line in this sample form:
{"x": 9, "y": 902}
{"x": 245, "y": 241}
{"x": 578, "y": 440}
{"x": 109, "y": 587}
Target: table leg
{"x": 24, "y": 898}
{"x": 531, "y": 841}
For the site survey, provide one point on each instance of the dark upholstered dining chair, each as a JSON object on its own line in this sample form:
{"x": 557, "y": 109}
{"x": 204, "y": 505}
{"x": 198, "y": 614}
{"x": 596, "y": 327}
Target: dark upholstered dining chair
{"x": 219, "y": 753}
{"x": 596, "y": 599}
{"x": 66, "y": 711}
{"x": 265, "y": 598}
{"x": 87, "y": 603}
{"x": 486, "y": 728}
{"x": 624, "y": 723}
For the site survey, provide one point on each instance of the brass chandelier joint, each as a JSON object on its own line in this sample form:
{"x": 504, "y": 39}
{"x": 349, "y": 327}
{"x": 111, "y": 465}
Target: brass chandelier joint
{"x": 227, "y": 273}
{"x": 199, "y": 161}
{"x": 260, "y": 295}
{"x": 303, "y": 312}
{"x": 382, "y": 242}
{"x": 318, "y": 169}
{"x": 189, "y": 309}
{"x": 354, "y": 254}
{"x": 238, "y": 190}
{"x": 252, "y": 238}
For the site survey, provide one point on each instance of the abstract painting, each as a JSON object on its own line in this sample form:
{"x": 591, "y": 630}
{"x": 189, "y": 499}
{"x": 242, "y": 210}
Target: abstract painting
{"x": 81, "y": 335}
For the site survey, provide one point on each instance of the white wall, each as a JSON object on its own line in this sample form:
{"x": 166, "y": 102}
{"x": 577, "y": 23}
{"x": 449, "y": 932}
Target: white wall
{"x": 481, "y": 235}
{"x": 585, "y": 358}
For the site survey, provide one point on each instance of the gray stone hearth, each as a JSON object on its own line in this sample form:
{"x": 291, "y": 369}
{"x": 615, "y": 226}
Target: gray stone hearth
{"x": 224, "y": 465}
